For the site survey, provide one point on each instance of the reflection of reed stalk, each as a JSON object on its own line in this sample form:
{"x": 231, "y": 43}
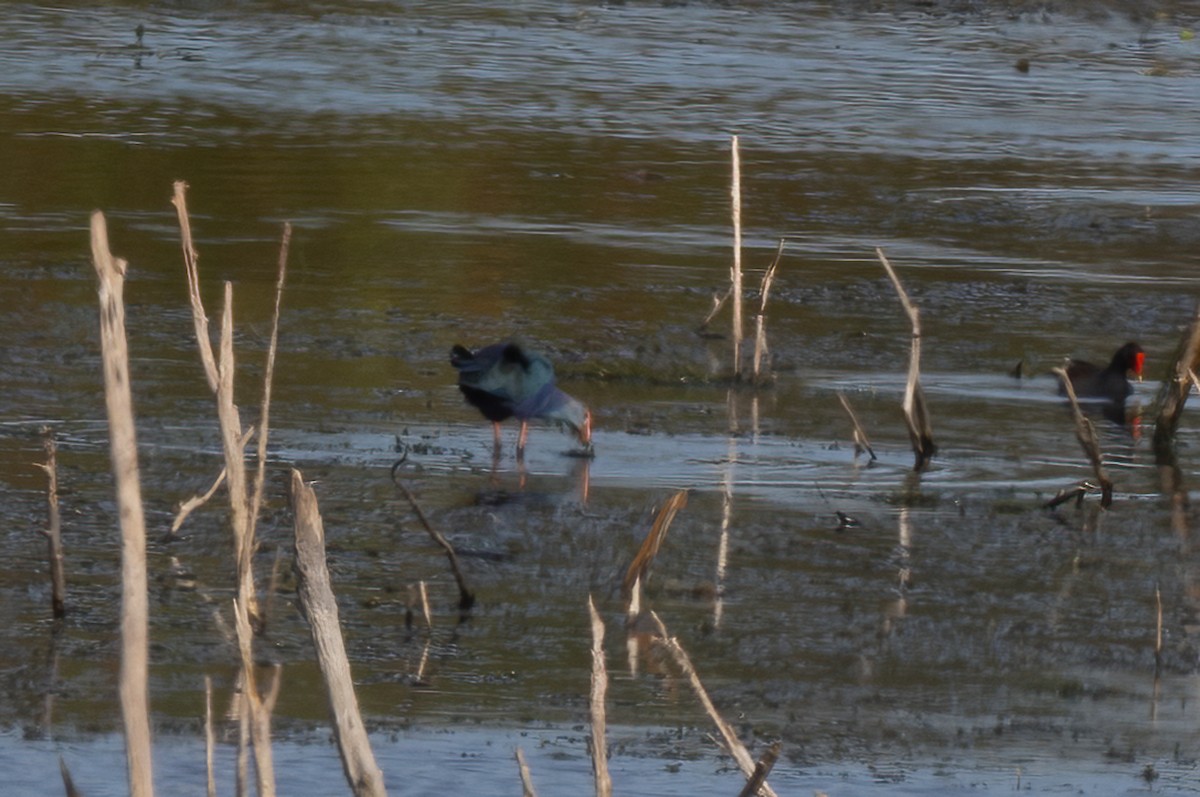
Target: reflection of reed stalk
{"x": 735, "y": 191}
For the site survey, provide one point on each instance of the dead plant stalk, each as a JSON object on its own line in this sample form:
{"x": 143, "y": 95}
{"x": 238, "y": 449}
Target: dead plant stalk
{"x": 134, "y": 688}
{"x": 916, "y": 414}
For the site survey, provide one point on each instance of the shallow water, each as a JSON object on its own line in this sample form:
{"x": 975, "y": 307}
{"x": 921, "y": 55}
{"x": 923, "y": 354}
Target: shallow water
{"x": 559, "y": 172}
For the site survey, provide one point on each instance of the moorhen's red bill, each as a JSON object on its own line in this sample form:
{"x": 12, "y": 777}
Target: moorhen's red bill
{"x": 1110, "y": 383}
{"x": 506, "y": 380}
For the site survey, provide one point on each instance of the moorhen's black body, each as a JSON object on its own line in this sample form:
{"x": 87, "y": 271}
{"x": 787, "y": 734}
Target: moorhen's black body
{"x": 1110, "y": 383}
{"x": 506, "y": 380}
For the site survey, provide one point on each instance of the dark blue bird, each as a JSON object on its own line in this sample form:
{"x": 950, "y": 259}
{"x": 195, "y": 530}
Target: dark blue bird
{"x": 506, "y": 380}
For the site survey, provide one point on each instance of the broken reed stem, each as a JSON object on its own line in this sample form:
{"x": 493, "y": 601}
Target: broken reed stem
{"x": 1174, "y": 392}
{"x": 760, "y": 330}
{"x": 466, "y": 598}
{"x": 718, "y": 303}
{"x": 916, "y": 413}
{"x": 321, "y": 610}
{"x": 735, "y": 193}
{"x": 53, "y": 532}
{"x": 861, "y": 443}
{"x": 761, "y": 770}
{"x": 424, "y": 595}
{"x": 599, "y": 689}
{"x": 526, "y": 780}
{"x": 639, "y": 568}
{"x": 1085, "y": 432}
{"x": 134, "y": 687}
{"x": 732, "y": 743}
{"x": 210, "y": 739}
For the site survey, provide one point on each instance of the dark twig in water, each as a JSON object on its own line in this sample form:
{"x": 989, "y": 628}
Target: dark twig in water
{"x": 1075, "y": 493}
{"x": 466, "y": 598}
{"x": 1085, "y": 432}
{"x": 1174, "y": 392}
{"x": 761, "y": 770}
{"x": 861, "y": 443}
{"x": 68, "y": 784}
{"x": 53, "y": 532}
{"x": 916, "y": 414}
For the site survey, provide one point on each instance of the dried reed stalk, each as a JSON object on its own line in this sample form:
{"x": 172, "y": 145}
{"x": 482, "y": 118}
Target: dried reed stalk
{"x": 1085, "y": 432}
{"x": 53, "y": 532}
{"x": 134, "y": 687}
{"x": 760, "y": 320}
{"x": 220, "y": 372}
{"x": 916, "y": 414}
{"x": 761, "y": 770}
{"x": 639, "y": 568}
{"x": 735, "y": 274}
{"x": 861, "y": 443}
{"x": 256, "y": 495}
{"x": 1174, "y": 392}
{"x": 526, "y": 780}
{"x": 466, "y": 598}
{"x": 320, "y": 607}
{"x": 258, "y": 707}
{"x": 599, "y": 689}
{"x": 732, "y": 743}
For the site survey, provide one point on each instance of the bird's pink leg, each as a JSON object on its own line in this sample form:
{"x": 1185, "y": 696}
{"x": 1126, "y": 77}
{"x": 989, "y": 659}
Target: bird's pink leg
{"x": 495, "y": 440}
{"x": 521, "y": 440}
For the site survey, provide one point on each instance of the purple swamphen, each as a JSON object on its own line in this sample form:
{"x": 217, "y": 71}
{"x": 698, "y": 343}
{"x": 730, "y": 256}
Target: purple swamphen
{"x": 506, "y": 380}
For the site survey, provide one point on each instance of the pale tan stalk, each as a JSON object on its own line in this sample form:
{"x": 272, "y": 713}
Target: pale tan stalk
{"x": 732, "y": 743}
{"x": 916, "y": 413}
{"x": 1085, "y": 432}
{"x": 134, "y": 688}
{"x": 320, "y": 607}
{"x": 599, "y": 690}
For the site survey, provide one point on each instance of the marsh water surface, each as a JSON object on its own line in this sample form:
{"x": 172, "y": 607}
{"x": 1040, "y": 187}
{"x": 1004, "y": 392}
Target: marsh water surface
{"x": 558, "y": 172}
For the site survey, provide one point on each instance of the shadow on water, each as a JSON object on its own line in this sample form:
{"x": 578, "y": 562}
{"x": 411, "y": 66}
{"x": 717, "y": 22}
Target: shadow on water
{"x": 900, "y": 634}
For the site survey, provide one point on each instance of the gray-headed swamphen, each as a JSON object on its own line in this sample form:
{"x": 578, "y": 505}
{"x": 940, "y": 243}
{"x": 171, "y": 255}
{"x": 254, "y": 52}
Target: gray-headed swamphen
{"x": 506, "y": 380}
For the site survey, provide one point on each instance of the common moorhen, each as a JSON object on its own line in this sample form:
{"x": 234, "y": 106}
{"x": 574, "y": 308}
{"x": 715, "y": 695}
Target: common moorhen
{"x": 1110, "y": 383}
{"x": 506, "y": 380}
